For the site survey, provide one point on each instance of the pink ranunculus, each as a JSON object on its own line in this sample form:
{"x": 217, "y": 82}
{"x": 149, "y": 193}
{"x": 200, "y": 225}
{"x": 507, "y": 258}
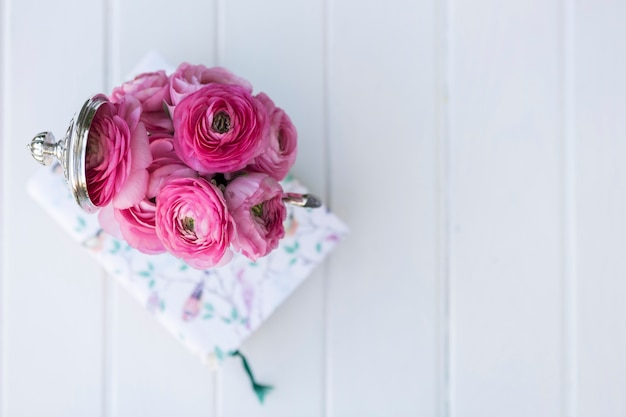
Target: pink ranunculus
{"x": 255, "y": 202}
{"x": 117, "y": 155}
{"x": 190, "y": 78}
{"x": 152, "y": 89}
{"x": 193, "y": 222}
{"x": 106, "y": 218}
{"x": 280, "y": 155}
{"x": 137, "y": 225}
{"x": 220, "y": 128}
{"x": 165, "y": 165}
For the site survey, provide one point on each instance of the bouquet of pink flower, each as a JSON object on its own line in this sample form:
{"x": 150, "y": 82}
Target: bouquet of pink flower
{"x": 189, "y": 164}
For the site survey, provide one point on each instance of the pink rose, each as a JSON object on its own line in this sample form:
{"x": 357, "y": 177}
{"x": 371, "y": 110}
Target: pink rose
{"x": 190, "y": 78}
{"x": 220, "y": 128}
{"x": 117, "y": 155}
{"x": 280, "y": 155}
{"x": 152, "y": 89}
{"x": 255, "y": 202}
{"x": 193, "y": 222}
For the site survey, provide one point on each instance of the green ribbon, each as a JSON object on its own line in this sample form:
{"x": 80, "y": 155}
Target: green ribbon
{"x": 259, "y": 389}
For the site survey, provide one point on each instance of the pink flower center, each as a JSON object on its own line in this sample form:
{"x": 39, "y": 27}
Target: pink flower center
{"x": 221, "y": 122}
{"x": 282, "y": 142}
{"x": 188, "y": 224}
{"x": 257, "y": 210}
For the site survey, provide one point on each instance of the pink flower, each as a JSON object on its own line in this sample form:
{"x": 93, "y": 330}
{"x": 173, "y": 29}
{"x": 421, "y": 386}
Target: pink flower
{"x": 117, "y": 155}
{"x": 152, "y": 89}
{"x": 220, "y": 128}
{"x": 190, "y": 78}
{"x": 193, "y": 222}
{"x": 157, "y": 122}
{"x": 280, "y": 155}
{"x": 255, "y": 202}
{"x": 166, "y": 164}
{"x": 136, "y": 224}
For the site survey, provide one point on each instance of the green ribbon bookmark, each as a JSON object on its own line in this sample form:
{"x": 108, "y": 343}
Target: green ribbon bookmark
{"x": 259, "y": 389}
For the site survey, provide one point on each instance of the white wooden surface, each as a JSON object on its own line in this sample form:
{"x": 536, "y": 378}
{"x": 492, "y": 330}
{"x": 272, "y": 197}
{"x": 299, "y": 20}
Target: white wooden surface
{"x": 474, "y": 148}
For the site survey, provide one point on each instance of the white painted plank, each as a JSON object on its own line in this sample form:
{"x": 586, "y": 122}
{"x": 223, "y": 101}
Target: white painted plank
{"x": 600, "y": 126}
{"x": 506, "y": 209}
{"x": 53, "y": 298}
{"x": 278, "y": 46}
{"x": 384, "y": 325}
{"x": 153, "y": 374}
{"x": 181, "y": 32}
{"x": 4, "y": 34}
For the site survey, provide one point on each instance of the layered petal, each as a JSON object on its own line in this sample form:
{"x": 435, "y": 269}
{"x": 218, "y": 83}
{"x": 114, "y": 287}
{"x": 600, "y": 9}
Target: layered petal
{"x": 190, "y": 78}
{"x": 255, "y": 202}
{"x": 220, "y": 128}
{"x": 282, "y": 148}
{"x": 193, "y": 222}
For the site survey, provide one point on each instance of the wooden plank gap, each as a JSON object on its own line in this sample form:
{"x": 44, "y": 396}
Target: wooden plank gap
{"x": 327, "y": 8}
{"x": 111, "y": 45}
{"x": 218, "y": 392}
{"x": 444, "y": 64}
{"x": 570, "y": 288}
{"x": 219, "y": 32}
{"x": 5, "y": 11}
{"x": 109, "y": 332}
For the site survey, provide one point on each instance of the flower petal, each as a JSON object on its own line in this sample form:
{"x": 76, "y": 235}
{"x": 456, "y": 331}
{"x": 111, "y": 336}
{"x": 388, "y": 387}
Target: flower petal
{"x": 140, "y": 148}
{"x": 106, "y": 218}
{"x": 133, "y": 190}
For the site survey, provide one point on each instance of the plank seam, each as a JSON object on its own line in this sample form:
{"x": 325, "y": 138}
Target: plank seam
{"x": 5, "y": 10}
{"x": 327, "y": 103}
{"x": 218, "y": 394}
{"x": 443, "y": 64}
{"x": 219, "y": 32}
{"x": 570, "y": 330}
{"x": 109, "y": 306}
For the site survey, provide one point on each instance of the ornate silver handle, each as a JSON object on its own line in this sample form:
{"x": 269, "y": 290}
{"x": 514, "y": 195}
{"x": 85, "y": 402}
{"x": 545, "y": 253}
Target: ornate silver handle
{"x": 44, "y": 148}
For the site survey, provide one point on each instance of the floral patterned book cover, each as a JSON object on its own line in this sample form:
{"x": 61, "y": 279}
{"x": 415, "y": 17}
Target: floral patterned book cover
{"x": 210, "y": 311}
